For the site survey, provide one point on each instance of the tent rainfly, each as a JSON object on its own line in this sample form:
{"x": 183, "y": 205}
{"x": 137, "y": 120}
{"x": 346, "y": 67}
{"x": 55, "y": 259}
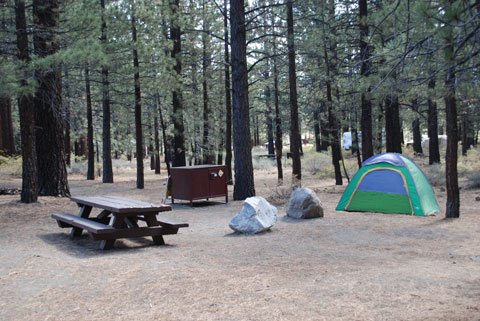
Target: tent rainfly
{"x": 389, "y": 183}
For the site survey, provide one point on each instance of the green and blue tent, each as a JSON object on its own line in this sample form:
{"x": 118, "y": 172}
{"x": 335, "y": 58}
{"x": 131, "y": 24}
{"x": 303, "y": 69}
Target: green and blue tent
{"x": 389, "y": 183}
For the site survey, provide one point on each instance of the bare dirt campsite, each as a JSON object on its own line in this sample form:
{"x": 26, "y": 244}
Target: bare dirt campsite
{"x": 344, "y": 266}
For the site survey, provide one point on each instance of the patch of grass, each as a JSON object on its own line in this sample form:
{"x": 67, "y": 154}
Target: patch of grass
{"x": 320, "y": 164}
{"x": 435, "y": 174}
{"x": 469, "y": 167}
{"x": 11, "y": 166}
{"x": 263, "y": 163}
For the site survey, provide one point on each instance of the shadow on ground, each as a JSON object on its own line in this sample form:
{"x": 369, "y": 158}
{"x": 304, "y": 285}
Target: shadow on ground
{"x": 84, "y": 247}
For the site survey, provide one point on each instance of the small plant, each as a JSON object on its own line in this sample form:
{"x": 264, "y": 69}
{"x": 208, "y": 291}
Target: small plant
{"x": 280, "y": 195}
{"x": 474, "y": 180}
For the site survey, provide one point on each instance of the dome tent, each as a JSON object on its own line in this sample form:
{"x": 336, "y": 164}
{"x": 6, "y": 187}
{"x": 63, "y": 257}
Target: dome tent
{"x": 389, "y": 183}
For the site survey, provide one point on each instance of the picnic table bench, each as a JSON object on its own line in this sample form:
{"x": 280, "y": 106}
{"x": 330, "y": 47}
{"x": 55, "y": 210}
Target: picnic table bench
{"x": 118, "y": 219}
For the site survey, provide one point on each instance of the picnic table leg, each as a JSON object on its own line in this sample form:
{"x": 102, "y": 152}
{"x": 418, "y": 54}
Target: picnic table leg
{"x": 116, "y": 222}
{"x": 151, "y": 220}
{"x": 84, "y": 213}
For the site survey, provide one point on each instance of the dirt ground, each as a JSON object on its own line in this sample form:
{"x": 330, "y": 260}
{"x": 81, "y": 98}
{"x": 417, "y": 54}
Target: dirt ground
{"x": 345, "y": 266}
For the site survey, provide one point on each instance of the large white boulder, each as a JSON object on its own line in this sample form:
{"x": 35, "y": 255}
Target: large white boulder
{"x": 257, "y": 215}
{"x": 304, "y": 203}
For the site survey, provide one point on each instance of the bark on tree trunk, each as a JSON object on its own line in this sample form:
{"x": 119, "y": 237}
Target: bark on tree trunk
{"x": 268, "y": 115}
{"x": 244, "y": 183}
{"x": 453, "y": 194}
{"x": 330, "y": 46}
{"x": 292, "y": 79}
{"x": 67, "y": 119}
{"x": 468, "y": 132}
{"x": 50, "y": 137}
{"x": 90, "y": 147}
{"x": 220, "y": 150}
{"x": 392, "y": 125}
{"x": 228, "y": 101}
{"x": 157, "y": 142}
{"x": 316, "y": 128}
{"x": 325, "y": 140}
{"x": 208, "y": 146}
{"x": 179, "y": 129}
{"x": 27, "y": 114}
{"x": 433, "y": 148}
{"x": 334, "y": 137}
{"x": 138, "y": 105}
{"x": 278, "y": 119}
{"x": 379, "y": 139}
{"x": 106, "y": 132}
{"x": 166, "y": 144}
{"x": 7, "y": 145}
{"x": 417, "y": 135}
{"x": 366, "y": 118}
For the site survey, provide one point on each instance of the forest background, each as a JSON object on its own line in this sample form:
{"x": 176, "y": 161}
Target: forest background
{"x": 201, "y": 82}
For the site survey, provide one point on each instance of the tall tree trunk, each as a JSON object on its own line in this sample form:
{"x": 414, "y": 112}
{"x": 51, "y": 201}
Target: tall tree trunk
{"x": 157, "y": 142}
{"x": 467, "y": 132}
{"x": 380, "y": 134}
{"x": 244, "y": 184}
{"x": 331, "y": 73}
{"x": 453, "y": 194}
{"x": 256, "y": 130}
{"x": 138, "y": 105}
{"x": 228, "y": 100}
{"x": 208, "y": 153}
{"x": 67, "y": 118}
{"x": 355, "y": 140}
{"x": 324, "y": 132}
{"x": 278, "y": 119}
{"x": 106, "y": 132}
{"x": 7, "y": 144}
{"x": 334, "y": 137}
{"x": 50, "y": 144}
{"x": 292, "y": 80}
{"x": 220, "y": 149}
{"x": 166, "y": 143}
{"x": 268, "y": 115}
{"x": 417, "y": 134}
{"x": 90, "y": 147}
{"x": 393, "y": 131}
{"x": 316, "y": 129}
{"x": 179, "y": 129}
{"x": 27, "y": 113}
{"x": 433, "y": 148}
{"x": 366, "y": 118}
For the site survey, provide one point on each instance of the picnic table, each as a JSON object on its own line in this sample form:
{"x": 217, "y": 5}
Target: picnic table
{"x": 119, "y": 218}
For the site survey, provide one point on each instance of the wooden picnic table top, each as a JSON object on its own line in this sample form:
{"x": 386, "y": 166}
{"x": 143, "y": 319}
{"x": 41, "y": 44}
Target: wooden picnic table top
{"x": 118, "y": 204}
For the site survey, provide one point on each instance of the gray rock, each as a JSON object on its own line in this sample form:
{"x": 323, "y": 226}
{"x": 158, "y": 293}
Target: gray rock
{"x": 304, "y": 203}
{"x": 257, "y": 215}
